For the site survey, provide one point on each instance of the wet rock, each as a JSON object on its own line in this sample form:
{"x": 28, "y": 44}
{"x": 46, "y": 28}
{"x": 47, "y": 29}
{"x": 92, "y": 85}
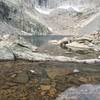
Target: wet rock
{"x": 83, "y": 79}
{"x": 84, "y": 92}
{"x": 21, "y": 77}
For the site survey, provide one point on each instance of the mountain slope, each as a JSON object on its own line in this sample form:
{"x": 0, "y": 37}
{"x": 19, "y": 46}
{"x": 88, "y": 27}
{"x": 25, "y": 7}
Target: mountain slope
{"x": 20, "y": 16}
{"x": 63, "y": 17}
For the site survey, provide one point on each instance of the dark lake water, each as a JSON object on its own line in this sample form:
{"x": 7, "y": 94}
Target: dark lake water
{"x": 39, "y": 40}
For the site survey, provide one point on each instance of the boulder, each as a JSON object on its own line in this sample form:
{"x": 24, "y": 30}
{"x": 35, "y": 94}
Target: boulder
{"x": 21, "y": 42}
{"x": 6, "y": 54}
{"x": 78, "y": 46}
{"x": 84, "y": 92}
{"x": 22, "y": 52}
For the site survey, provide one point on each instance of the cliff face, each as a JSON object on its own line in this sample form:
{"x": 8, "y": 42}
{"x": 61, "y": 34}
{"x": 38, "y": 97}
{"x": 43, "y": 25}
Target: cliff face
{"x": 19, "y": 15}
{"x": 70, "y": 17}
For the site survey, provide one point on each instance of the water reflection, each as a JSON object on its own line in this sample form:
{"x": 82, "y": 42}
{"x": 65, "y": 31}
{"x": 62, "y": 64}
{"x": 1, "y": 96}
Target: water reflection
{"x": 39, "y": 40}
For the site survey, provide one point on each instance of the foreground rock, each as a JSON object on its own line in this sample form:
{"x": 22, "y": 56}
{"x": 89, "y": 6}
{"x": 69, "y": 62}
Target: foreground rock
{"x": 27, "y": 54}
{"x": 6, "y": 54}
{"x": 13, "y": 46}
{"x": 84, "y": 92}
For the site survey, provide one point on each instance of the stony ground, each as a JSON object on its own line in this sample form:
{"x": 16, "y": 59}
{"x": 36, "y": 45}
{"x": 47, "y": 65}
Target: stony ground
{"x": 23, "y": 80}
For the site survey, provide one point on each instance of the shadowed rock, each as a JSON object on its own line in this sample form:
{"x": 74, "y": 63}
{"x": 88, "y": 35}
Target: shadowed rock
{"x": 4, "y": 11}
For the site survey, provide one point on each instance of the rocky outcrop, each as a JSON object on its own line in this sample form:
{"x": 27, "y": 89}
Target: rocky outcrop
{"x": 86, "y": 43}
{"x": 27, "y": 54}
{"x": 6, "y": 54}
{"x": 13, "y": 48}
{"x": 20, "y": 49}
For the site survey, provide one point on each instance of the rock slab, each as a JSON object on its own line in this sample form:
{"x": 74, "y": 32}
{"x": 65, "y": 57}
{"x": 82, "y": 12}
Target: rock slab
{"x": 6, "y": 54}
{"x": 84, "y": 92}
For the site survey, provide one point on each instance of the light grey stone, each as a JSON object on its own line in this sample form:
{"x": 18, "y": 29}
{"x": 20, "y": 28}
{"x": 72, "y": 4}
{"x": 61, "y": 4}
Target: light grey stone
{"x": 6, "y": 54}
{"x": 84, "y": 92}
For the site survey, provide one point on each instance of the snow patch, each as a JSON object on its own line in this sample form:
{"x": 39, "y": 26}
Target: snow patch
{"x": 44, "y": 11}
{"x": 69, "y": 7}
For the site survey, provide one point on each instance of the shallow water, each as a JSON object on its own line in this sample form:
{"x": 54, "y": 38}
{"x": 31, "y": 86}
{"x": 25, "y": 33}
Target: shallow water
{"x": 23, "y": 80}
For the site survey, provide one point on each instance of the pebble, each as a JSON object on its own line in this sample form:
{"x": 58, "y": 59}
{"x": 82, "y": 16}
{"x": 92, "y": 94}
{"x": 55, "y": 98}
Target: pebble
{"x": 76, "y": 71}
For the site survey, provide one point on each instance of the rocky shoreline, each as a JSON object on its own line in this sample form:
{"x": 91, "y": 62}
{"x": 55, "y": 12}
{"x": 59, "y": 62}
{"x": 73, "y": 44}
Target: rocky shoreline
{"x": 13, "y": 48}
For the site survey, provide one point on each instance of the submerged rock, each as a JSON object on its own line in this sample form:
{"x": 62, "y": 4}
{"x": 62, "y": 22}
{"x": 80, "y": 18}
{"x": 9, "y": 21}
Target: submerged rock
{"x": 45, "y": 87}
{"x": 84, "y": 92}
{"x": 21, "y": 78}
{"x": 52, "y": 73}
